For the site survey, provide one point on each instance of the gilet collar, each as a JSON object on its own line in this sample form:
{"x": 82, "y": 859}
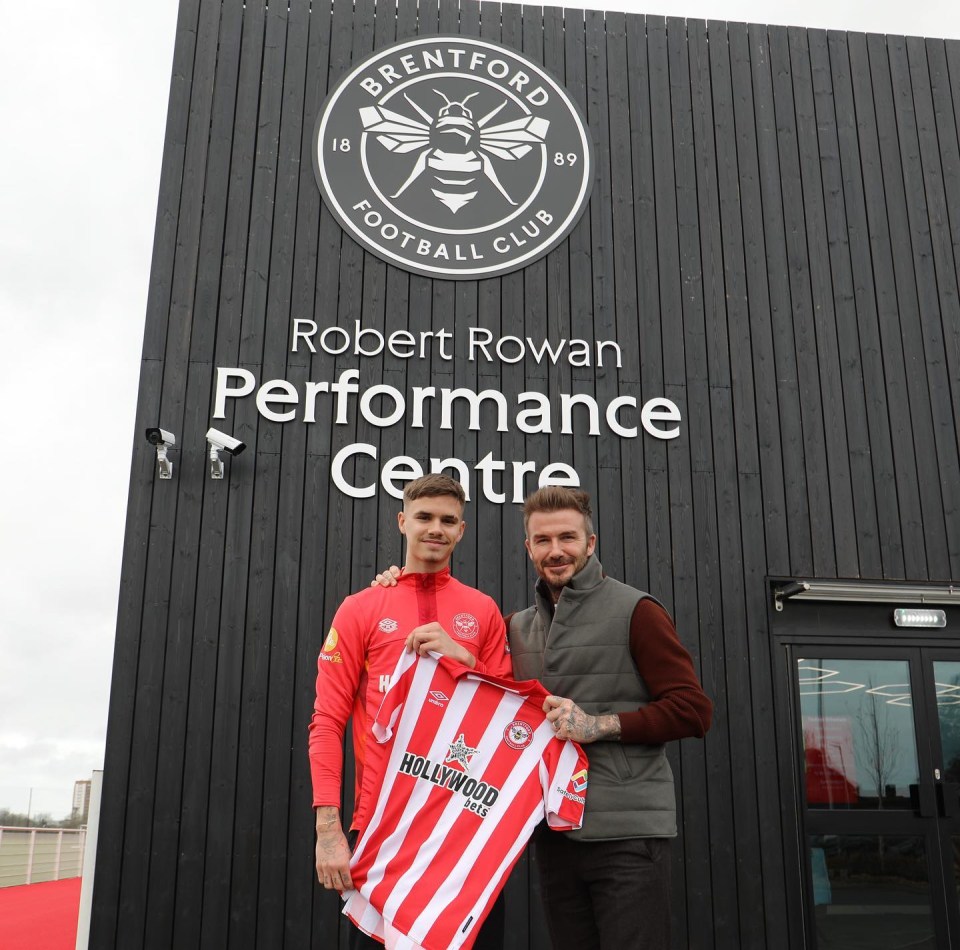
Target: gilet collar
{"x": 586, "y": 579}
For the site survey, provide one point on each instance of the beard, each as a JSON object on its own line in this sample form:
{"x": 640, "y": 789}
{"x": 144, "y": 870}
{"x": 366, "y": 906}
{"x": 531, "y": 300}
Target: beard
{"x": 573, "y": 567}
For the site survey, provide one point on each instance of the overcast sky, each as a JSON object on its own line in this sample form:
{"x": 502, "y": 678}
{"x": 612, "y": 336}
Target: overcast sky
{"x": 83, "y": 102}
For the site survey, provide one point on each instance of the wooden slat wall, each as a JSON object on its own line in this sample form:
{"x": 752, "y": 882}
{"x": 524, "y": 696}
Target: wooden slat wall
{"x": 772, "y": 238}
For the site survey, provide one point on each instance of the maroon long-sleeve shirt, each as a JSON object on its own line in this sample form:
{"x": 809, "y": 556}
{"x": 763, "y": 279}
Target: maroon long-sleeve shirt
{"x": 679, "y": 708}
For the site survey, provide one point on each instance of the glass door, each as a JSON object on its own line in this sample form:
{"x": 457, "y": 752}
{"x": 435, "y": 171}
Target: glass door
{"x": 879, "y": 738}
{"x": 942, "y": 682}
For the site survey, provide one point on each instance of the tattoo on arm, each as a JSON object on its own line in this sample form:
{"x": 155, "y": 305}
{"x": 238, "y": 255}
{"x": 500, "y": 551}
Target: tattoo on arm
{"x": 610, "y": 726}
{"x": 586, "y": 728}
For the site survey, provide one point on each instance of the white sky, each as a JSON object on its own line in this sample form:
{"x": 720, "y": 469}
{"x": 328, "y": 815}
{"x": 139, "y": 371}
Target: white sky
{"x": 83, "y": 97}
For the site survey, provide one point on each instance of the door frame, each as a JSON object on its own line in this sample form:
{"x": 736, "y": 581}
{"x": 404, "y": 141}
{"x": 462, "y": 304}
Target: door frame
{"x": 828, "y": 624}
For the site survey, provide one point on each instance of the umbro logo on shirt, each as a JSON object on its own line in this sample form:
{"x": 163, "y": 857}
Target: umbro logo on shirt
{"x": 387, "y": 625}
{"x": 437, "y": 697}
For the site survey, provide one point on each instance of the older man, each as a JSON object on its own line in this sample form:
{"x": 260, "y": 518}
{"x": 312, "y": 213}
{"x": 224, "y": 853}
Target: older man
{"x": 622, "y": 685}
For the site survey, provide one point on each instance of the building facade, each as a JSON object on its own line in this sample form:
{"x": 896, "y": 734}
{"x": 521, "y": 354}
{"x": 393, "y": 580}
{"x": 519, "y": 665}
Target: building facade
{"x": 81, "y": 800}
{"x": 739, "y": 330}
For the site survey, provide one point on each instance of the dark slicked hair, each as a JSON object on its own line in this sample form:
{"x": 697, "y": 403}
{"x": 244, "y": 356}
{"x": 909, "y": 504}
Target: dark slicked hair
{"x": 558, "y": 498}
{"x": 429, "y": 486}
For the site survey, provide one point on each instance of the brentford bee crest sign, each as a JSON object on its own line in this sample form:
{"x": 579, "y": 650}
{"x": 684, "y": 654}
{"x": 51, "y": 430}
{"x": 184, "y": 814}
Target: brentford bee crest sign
{"x": 453, "y": 157}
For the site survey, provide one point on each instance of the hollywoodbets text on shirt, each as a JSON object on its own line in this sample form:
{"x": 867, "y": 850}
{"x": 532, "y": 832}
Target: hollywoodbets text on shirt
{"x": 478, "y": 796}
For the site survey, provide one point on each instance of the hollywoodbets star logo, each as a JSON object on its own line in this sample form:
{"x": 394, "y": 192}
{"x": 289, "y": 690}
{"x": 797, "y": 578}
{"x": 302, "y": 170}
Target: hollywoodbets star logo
{"x": 460, "y": 753}
{"x": 453, "y": 157}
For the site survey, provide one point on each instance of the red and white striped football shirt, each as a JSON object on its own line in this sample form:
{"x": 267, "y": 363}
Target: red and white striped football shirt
{"x": 473, "y": 767}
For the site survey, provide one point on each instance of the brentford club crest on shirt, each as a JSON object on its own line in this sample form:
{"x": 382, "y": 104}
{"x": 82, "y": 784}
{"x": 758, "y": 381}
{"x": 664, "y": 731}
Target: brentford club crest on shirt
{"x": 518, "y": 734}
{"x": 453, "y": 157}
{"x": 466, "y": 626}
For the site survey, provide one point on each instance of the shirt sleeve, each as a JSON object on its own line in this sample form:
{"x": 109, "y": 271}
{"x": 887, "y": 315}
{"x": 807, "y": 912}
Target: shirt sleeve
{"x": 679, "y": 708}
{"x": 494, "y": 654}
{"x": 564, "y": 781}
{"x": 396, "y": 695}
{"x": 339, "y": 672}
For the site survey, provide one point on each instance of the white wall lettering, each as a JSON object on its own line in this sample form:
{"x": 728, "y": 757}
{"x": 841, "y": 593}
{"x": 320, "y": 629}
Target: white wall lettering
{"x": 356, "y": 469}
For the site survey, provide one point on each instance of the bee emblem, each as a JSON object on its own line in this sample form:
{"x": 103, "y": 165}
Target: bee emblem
{"x": 518, "y": 735}
{"x": 453, "y": 146}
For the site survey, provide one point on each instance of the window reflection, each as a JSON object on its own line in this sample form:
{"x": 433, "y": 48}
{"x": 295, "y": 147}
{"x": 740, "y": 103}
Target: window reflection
{"x": 871, "y": 891}
{"x": 858, "y": 736}
{"x": 947, "y": 676}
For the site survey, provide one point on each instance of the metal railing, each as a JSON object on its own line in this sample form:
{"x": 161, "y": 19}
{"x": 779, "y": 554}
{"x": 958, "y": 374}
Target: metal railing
{"x": 33, "y": 855}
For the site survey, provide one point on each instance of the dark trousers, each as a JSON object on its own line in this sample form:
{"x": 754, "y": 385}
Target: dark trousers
{"x": 605, "y": 895}
{"x": 490, "y": 936}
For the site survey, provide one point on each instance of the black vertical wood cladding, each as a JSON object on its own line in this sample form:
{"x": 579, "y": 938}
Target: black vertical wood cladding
{"x": 772, "y": 239}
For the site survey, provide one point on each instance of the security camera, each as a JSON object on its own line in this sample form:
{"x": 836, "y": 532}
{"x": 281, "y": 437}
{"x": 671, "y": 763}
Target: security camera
{"x": 220, "y": 440}
{"x": 163, "y": 440}
{"x": 161, "y": 437}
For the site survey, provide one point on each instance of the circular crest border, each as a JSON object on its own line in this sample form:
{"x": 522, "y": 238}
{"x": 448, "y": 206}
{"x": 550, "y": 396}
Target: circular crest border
{"x": 341, "y": 202}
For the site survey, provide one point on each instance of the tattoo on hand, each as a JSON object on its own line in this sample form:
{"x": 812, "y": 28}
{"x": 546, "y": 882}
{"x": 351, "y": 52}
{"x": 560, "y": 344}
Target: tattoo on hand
{"x": 329, "y": 847}
{"x": 581, "y": 725}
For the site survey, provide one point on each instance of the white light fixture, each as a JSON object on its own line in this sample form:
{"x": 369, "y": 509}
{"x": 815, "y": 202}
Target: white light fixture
{"x": 163, "y": 440}
{"x": 917, "y": 617}
{"x": 218, "y": 442}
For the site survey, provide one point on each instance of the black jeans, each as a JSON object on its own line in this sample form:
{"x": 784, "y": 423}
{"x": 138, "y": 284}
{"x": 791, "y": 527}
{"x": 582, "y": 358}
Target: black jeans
{"x": 605, "y": 895}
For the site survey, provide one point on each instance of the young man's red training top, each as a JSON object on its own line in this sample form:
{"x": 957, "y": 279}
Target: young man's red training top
{"x": 359, "y": 654}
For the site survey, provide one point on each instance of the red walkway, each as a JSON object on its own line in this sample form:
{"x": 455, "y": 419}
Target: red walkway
{"x": 40, "y": 916}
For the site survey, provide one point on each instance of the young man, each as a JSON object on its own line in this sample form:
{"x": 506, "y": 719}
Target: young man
{"x": 427, "y": 611}
{"x": 622, "y": 685}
